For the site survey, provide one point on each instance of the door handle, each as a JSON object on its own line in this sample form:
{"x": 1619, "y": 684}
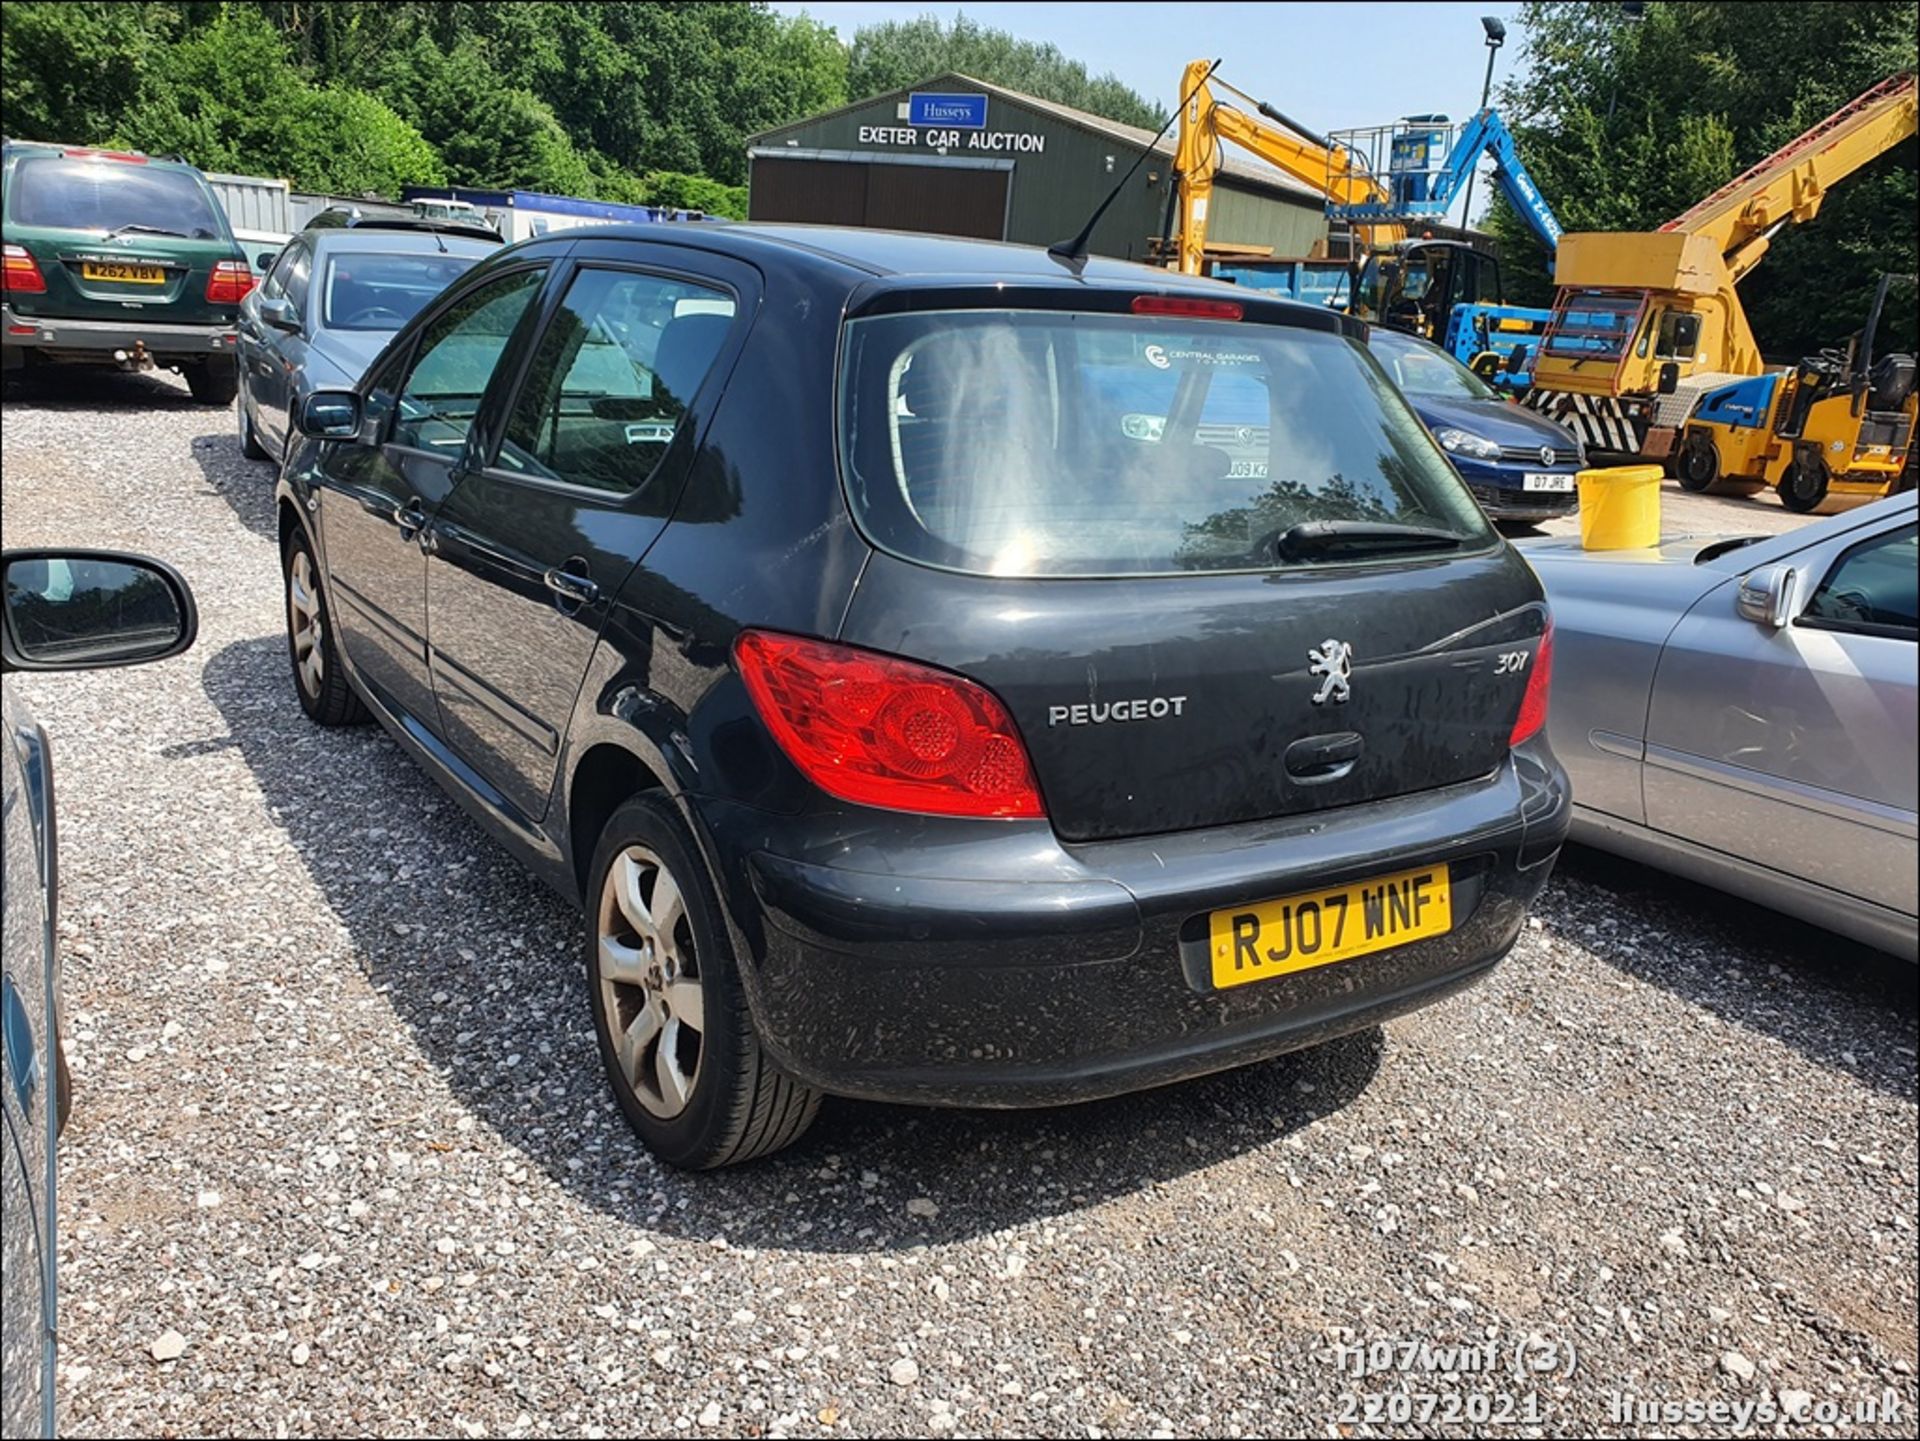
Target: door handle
{"x": 410, "y": 518}
{"x": 576, "y": 588}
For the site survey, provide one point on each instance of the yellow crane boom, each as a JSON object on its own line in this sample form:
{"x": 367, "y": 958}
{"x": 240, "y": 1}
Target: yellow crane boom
{"x": 1206, "y": 123}
{"x": 1645, "y": 321}
{"x": 1789, "y": 184}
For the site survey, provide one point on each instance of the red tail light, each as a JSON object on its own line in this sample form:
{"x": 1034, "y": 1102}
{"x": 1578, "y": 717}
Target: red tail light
{"x": 229, "y": 282}
{"x": 1190, "y": 306}
{"x": 890, "y": 733}
{"x": 1533, "y": 704}
{"x": 21, "y": 276}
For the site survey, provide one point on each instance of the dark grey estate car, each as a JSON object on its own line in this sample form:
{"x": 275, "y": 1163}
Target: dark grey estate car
{"x": 925, "y": 699}
{"x": 329, "y": 304}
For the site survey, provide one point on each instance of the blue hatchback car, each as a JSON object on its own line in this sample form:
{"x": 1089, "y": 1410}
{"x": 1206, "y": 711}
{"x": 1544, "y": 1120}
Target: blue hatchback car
{"x": 1520, "y": 466}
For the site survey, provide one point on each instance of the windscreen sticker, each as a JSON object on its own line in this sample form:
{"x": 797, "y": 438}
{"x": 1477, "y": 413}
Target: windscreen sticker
{"x": 1162, "y": 358}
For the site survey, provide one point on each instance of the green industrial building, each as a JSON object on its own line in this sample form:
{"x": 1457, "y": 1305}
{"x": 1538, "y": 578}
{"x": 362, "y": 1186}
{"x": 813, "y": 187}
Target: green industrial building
{"x": 957, "y": 156}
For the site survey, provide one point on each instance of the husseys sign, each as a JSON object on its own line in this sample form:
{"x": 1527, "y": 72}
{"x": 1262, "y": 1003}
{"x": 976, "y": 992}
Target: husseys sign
{"x": 962, "y": 112}
{"x": 945, "y": 122}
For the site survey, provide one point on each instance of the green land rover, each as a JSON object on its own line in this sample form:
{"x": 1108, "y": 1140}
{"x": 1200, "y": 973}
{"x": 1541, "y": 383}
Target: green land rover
{"x": 121, "y": 259}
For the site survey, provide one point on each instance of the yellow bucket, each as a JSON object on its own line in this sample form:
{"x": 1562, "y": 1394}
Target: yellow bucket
{"x": 1620, "y": 507}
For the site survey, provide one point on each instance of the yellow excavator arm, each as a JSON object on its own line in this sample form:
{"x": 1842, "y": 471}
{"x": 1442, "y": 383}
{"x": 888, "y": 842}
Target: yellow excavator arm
{"x": 1206, "y": 125}
{"x": 1741, "y": 216}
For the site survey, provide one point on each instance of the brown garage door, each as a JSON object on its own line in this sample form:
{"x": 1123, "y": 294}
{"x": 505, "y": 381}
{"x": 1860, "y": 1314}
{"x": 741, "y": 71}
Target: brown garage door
{"x": 941, "y": 199}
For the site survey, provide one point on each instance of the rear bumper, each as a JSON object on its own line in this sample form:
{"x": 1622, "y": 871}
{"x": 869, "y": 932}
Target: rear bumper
{"x": 985, "y": 964}
{"x": 87, "y": 339}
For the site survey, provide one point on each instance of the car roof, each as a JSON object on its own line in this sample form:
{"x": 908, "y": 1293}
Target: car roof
{"x": 397, "y": 242}
{"x": 931, "y": 260}
{"x": 38, "y": 149}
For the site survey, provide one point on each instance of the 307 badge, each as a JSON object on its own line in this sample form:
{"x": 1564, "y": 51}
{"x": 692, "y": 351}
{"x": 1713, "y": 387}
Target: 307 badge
{"x": 1317, "y": 928}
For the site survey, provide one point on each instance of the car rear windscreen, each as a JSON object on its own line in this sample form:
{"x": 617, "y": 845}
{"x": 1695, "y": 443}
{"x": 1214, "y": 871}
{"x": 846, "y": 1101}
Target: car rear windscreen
{"x": 83, "y": 194}
{"x": 1047, "y": 443}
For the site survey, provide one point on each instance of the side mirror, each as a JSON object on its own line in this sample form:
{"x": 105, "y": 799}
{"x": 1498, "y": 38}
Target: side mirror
{"x": 329, "y": 415}
{"x": 1517, "y": 359}
{"x": 91, "y": 609}
{"x": 263, "y": 262}
{"x": 1766, "y": 596}
{"x": 279, "y": 313}
{"x": 1669, "y": 377}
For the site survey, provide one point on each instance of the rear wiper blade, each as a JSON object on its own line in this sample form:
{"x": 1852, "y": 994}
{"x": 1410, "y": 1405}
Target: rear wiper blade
{"x": 144, "y": 230}
{"x": 1315, "y": 537}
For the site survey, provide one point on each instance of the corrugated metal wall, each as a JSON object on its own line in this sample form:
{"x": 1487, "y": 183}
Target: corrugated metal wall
{"x": 253, "y": 202}
{"x": 1245, "y": 217}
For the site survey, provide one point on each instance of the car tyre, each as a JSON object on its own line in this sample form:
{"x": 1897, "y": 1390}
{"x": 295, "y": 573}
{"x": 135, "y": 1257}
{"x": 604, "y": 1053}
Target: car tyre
{"x": 213, "y": 382}
{"x": 250, "y": 445}
{"x": 1804, "y": 485}
{"x": 1698, "y": 465}
{"x": 318, "y": 677}
{"x": 669, "y": 1009}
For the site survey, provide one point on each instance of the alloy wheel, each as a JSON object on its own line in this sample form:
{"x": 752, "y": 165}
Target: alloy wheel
{"x": 649, "y": 980}
{"x": 306, "y": 623}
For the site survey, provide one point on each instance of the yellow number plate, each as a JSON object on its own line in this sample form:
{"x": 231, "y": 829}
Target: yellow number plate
{"x": 130, "y": 274}
{"x": 1316, "y": 928}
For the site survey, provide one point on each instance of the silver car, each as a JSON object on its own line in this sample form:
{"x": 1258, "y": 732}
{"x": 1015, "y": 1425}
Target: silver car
{"x": 1741, "y": 711}
{"x": 331, "y": 300}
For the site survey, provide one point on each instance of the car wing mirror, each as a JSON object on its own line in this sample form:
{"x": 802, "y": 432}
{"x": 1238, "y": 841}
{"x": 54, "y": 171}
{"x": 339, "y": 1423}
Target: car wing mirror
{"x": 329, "y": 415}
{"x": 91, "y": 610}
{"x": 263, "y": 262}
{"x": 279, "y": 313}
{"x": 1669, "y": 377}
{"x": 1766, "y": 596}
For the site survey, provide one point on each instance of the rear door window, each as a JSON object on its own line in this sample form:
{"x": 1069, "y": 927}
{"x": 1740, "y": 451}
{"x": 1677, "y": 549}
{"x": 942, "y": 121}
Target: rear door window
{"x": 1047, "y": 443}
{"x": 96, "y": 194}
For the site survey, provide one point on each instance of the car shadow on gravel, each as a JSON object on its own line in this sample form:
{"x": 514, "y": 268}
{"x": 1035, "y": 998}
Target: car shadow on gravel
{"x": 1844, "y": 1005}
{"x": 245, "y": 485}
{"x": 89, "y": 387}
{"x": 482, "y": 964}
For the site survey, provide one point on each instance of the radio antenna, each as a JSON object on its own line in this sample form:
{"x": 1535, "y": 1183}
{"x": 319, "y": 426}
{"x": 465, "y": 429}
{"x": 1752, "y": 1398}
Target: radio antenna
{"x": 1073, "y": 253}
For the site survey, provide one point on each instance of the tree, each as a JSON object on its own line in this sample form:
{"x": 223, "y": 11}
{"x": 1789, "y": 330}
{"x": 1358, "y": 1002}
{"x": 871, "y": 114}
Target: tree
{"x": 1625, "y": 126}
{"x": 228, "y": 98}
{"x": 67, "y": 71}
{"x": 695, "y": 192}
{"x": 488, "y": 132}
{"x": 898, "y": 53}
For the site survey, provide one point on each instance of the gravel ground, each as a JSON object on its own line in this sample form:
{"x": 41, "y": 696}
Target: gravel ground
{"x": 341, "y": 1148}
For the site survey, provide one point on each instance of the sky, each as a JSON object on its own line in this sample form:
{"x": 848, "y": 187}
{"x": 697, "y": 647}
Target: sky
{"x": 1330, "y": 66}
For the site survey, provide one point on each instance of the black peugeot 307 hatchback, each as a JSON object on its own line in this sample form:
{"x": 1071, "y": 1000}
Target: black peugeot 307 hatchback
{"x": 926, "y": 692}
